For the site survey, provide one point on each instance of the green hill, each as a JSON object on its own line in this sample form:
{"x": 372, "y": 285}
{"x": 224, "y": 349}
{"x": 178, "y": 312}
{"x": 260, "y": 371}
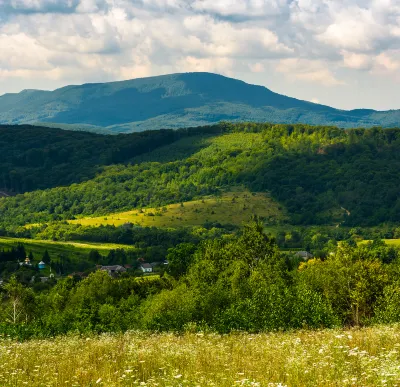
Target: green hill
{"x": 318, "y": 175}
{"x": 173, "y": 101}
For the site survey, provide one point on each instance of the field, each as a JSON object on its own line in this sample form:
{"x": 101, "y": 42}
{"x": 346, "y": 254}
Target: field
{"x": 390, "y": 242}
{"x": 365, "y": 357}
{"x": 74, "y": 249}
{"x": 230, "y": 208}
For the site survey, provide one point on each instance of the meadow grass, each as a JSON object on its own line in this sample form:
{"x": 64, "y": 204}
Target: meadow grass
{"x": 364, "y": 357}
{"x": 77, "y": 250}
{"x": 390, "y": 242}
{"x": 230, "y": 208}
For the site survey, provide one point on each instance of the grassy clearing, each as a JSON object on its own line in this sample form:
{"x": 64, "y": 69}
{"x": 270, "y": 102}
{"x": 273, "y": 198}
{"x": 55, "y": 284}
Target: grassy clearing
{"x": 366, "y": 357}
{"x": 73, "y": 249}
{"x": 390, "y": 242}
{"x": 393, "y": 242}
{"x": 232, "y": 208}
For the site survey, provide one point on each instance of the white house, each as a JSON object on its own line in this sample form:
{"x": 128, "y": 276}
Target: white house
{"x": 146, "y": 268}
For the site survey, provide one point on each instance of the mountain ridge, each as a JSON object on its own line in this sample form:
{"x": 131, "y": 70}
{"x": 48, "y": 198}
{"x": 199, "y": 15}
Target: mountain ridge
{"x": 174, "y": 101}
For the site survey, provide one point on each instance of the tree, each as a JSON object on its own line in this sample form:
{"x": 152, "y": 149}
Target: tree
{"x": 20, "y": 302}
{"x": 179, "y": 258}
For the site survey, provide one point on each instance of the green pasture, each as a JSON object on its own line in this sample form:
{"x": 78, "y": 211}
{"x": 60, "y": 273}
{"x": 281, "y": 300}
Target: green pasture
{"x": 77, "y": 250}
{"x": 230, "y": 208}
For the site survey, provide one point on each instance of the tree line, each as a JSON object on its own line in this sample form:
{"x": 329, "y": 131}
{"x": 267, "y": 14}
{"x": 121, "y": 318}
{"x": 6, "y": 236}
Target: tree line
{"x": 239, "y": 283}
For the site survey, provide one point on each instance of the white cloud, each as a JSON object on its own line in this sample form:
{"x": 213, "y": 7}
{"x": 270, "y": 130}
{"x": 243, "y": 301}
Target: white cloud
{"x": 257, "y": 67}
{"x": 308, "y": 71}
{"x": 318, "y": 43}
{"x": 356, "y": 61}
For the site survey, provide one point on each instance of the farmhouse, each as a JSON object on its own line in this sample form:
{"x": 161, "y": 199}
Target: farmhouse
{"x": 146, "y": 268}
{"x": 304, "y": 254}
{"x": 113, "y": 270}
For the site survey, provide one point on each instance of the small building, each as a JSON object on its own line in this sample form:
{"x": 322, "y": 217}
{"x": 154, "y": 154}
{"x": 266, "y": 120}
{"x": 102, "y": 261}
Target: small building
{"x": 26, "y": 262}
{"x": 41, "y": 265}
{"x": 114, "y": 269}
{"x": 79, "y": 275}
{"x": 304, "y": 254}
{"x": 146, "y": 268}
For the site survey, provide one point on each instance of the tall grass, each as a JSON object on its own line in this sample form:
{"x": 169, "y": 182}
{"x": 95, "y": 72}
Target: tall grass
{"x": 366, "y": 357}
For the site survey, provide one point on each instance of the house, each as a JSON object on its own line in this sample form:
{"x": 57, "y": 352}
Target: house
{"x": 41, "y": 265}
{"x": 114, "y": 269}
{"x": 79, "y": 274}
{"x": 304, "y": 254}
{"x": 146, "y": 268}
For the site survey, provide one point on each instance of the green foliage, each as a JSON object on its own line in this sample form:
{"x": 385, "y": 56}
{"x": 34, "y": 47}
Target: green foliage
{"x": 238, "y": 283}
{"x": 321, "y": 175}
{"x": 36, "y": 157}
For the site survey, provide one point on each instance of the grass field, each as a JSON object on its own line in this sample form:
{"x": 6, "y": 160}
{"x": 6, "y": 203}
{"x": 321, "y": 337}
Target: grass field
{"x": 72, "y": 249}
{"x": 390, "y": 242}
{"x": 233, "y": 208}
{"x": 366, "y": 357}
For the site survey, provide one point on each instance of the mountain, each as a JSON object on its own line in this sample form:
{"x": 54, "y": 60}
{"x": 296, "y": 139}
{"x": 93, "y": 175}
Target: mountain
{"x": 173, "y": 101}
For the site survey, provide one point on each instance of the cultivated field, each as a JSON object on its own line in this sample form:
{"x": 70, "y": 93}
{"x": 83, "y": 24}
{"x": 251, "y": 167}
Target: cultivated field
{"x": 366, "y": 357}
{"x": 73, "y": 249}
{"x": 232, "y": 208}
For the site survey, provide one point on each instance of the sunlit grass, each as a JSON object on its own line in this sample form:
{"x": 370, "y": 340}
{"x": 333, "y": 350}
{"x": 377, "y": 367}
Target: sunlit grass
{"x": 366, "y": 357}
{"x": 390, "y": 242}
{"x": 75, "y": 250}
{"x": 230, "y": 208}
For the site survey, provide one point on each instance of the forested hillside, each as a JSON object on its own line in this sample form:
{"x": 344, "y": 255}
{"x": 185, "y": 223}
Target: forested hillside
{"x": 174, "y": 101}
{"x": 33, "y": 157}
{"x": 319, "y": 175}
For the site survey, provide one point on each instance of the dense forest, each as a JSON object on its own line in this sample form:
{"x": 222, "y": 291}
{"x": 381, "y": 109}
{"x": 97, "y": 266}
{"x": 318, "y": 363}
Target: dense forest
{"x": 238, "y": 283}
{"x": 33, "y": 157}
{"x": 319, "y": 175}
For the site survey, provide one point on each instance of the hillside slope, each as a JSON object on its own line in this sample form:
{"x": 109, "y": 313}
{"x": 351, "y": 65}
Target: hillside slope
{"x": 317, "y": 175}
{"x": 173, "y": 101}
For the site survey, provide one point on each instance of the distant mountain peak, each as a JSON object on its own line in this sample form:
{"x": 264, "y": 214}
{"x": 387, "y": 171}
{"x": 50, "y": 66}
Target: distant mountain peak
{"x": 173, "y": 101}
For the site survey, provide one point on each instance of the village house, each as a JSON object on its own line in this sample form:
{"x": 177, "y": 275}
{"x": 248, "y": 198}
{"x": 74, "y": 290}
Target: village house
{"x": 114, "y": 269}
{"x": 304, "y": 254}
{"x": 146, "y": 268}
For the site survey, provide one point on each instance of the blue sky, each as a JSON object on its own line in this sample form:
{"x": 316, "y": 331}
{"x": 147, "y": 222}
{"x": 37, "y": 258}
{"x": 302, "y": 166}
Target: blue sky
{"x": 343, "y": 53}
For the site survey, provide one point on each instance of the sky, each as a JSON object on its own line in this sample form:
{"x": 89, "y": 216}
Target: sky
{"x": 342, "y": 53}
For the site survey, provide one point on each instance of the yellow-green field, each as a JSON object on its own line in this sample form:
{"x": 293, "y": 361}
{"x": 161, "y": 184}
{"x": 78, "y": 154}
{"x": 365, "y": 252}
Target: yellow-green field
{"x": 390, "y": 242}
{"x": 233, "y": 208}
{"x": 365, "y": 357}
{"x": 78, "y": 249}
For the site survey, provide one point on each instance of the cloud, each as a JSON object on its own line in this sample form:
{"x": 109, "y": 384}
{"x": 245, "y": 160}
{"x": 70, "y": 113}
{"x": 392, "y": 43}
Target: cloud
{"x": 320, "y": 43}
{"x": 308, "y": 71}
{"x": 356, "y": 61}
